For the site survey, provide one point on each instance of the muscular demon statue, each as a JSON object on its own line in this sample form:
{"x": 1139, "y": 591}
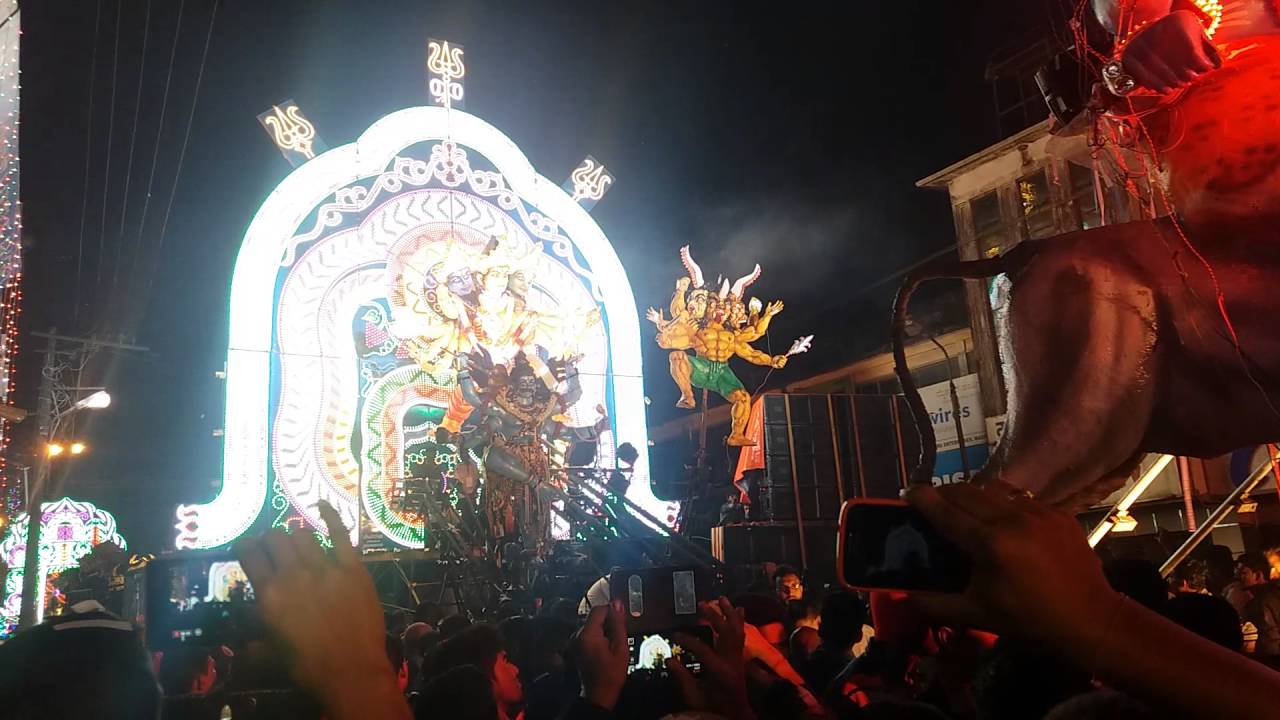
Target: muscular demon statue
{"x": 717, "y": 328}
{"x": 1155, "y": 336}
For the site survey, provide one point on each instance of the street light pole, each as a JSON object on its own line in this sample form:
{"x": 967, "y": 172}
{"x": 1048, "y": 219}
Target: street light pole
{"x": 35, "y": 493}
{"x": 50, "y": 413}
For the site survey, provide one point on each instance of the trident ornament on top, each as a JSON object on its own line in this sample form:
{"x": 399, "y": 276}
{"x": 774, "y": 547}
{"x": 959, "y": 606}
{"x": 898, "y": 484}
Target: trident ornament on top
{"x": 589, "y": 182}
{"x": 292, "y": 133}
{"x": 444, "y": 62}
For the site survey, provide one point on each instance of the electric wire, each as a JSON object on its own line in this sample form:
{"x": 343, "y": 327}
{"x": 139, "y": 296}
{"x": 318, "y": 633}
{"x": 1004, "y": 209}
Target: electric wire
{"x": 88, "y": 155}
{"x": 155, "y": 154}
{"x": 133, "y": 140}
{"x": 182, "y": 154}
{"x": 111, "y": 126}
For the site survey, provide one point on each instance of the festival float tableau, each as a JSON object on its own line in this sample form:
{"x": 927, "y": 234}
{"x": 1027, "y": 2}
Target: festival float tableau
{"x": 419, "y": 316}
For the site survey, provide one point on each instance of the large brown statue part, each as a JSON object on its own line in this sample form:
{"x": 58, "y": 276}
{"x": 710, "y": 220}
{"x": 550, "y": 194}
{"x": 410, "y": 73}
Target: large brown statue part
{"x": 1154, "y": 336}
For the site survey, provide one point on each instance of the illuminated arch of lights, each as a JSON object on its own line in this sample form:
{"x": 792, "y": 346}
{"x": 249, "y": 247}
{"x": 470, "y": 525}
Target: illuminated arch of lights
{"x": 326, "y": 398}
{"x": 69, "y": 530}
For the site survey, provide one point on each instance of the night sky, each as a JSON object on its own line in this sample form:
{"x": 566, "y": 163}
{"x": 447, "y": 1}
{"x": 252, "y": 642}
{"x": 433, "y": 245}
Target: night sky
{"x": 789, "y": 134}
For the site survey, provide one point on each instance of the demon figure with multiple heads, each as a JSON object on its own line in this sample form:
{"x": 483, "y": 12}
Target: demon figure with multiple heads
{"x": 717, "y": 327}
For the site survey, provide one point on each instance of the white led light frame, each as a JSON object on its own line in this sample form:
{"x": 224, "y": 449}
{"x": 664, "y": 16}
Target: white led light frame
{"x": 271, "y": 240}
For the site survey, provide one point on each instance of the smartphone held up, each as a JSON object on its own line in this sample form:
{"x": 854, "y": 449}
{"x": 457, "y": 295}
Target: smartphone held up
{"x": 889, "y": 545}
{"x": 662, "y": 603}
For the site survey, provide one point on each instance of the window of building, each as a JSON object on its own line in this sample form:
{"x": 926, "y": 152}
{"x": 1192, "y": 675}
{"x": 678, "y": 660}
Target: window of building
{"x": 1018, "y": 100}
{"x": 1084, "y": 199}
{"x": 988, "y": 224}
{"x": 1011, "y": 71}
{"x": 1037, "y": 205}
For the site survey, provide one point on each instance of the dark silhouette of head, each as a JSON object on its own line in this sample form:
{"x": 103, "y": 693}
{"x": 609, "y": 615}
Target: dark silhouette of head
{"x": 1222, "y": 567}
{"x": 1193, "y": 575}
{"x": 483, "y": 647}
{"x": 464, "y": 692}
{"x": 1137, "y": 579}
{"x": 1022, "y": 680}
{"x": 112, "y": 673}
{"x": 1208, "y": 616}
{"x": 453, "y": 625}
{"x": 627, "y": 454}
{"x": 1101, "y": 705}
{"x": 842, "y": 619}
{"x": 1253, "y": 568}
{"x": 428, "y": 612}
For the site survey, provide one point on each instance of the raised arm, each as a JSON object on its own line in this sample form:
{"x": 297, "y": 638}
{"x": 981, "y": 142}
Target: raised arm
{"x": 757, "y": 357}
{"x": 468, "y": 387}
{"x": 678, "y": 307}
{"x": 1073, "y": 612}
{"x": 761, "y": 327}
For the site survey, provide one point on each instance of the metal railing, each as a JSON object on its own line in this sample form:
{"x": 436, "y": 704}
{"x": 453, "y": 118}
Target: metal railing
{"x": 1218, "y": 515}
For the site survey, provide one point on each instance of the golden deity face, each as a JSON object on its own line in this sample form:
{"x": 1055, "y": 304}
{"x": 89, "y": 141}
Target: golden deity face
{"x": 495, "y": 279}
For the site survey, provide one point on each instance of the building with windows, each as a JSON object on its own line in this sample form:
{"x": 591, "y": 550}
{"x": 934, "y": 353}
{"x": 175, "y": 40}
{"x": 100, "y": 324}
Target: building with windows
{"x": 1029, "y": 186}
{"x": 1038, "y": 183}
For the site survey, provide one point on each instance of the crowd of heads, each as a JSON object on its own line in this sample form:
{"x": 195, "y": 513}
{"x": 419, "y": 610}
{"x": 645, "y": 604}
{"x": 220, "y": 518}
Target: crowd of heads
{"x": 811, "y": 650}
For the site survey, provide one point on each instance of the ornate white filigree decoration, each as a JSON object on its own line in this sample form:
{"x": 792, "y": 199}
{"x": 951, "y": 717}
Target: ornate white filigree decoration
{"x": 444, "y": 62}
{"x": 447, "y": 164}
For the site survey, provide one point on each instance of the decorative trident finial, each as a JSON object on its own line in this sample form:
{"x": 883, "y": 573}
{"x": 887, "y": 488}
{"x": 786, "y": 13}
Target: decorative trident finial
{"x": 293, "y": 133}
{"x": 290, "y": 130}
{"x": 589, "y": 182}
{"x": 444, "y": 62}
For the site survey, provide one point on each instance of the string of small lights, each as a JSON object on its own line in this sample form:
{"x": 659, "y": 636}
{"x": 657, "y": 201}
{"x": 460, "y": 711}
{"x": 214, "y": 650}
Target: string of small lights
{"x": 10, "y": 245}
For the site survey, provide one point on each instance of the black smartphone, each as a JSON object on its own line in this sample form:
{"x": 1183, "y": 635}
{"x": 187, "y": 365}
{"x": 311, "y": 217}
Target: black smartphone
{"x": 649, "y": 651}
{"x": 888, "y": 545}
{"x": 200, "y": 599}
{"x": 662, "y": 598}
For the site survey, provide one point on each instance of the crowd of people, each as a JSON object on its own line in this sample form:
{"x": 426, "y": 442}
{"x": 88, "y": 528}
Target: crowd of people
{"x": 1045, "y": 630}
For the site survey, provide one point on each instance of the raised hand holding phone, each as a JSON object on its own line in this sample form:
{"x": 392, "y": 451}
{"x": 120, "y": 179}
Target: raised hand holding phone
{"x": 602, "y": 651}
{"x": 1030, "y": 563}
{"x": 890, "y": 545}
{"x": 1034, "y": 575}
{"x": 725, "y": 682}
{"x": 325, "y": 612}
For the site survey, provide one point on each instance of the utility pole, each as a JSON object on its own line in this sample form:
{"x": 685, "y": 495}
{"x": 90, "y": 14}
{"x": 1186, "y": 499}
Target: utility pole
{"x": 55, "y": 402}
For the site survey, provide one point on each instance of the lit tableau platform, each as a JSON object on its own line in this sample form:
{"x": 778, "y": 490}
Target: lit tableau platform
{"x": 69, "y": 530}
{"x": 363, "y": 277}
